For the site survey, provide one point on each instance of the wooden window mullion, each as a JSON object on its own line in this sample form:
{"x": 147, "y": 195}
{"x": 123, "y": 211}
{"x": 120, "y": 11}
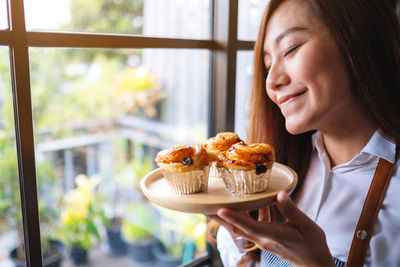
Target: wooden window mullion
{"x": 20, "y": 79}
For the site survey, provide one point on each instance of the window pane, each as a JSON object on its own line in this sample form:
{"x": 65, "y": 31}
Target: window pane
{"x": 172, "y": 18}
{"x": 11, "y": 235}
{"x": 100, "y": 117}
{"x": 3, "y": 15}
{"x": 244, "y": 71}
{"x": 250, "y": 14}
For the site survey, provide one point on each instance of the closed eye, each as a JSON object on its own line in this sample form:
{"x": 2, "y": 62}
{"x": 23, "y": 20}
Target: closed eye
{"x": 291, "y": 50}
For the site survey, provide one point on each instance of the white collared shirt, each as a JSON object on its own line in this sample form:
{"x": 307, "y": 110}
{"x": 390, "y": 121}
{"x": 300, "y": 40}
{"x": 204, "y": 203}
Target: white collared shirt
{"x": 333, "y": 198}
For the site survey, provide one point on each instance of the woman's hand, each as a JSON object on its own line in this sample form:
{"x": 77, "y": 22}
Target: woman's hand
{"x": 298, "y": 240}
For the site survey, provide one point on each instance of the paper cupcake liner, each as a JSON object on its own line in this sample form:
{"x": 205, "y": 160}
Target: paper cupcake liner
{"x": 188, "y": 182}
{"x": 214, "y": 171}
{"x": 244, "y": 182}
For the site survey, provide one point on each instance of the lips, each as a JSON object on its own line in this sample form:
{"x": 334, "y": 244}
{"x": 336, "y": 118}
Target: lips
{"x": 287, "y": 98}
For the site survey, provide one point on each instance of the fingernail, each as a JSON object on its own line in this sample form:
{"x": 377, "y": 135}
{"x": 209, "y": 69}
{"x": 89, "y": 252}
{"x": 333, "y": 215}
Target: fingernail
{"x": 282, "y": 196}
{"x": 220, "y": 212}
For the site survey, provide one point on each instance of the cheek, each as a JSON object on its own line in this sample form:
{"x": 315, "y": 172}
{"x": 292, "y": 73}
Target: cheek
{"x": 321, "y": 71}
{"x": 306, "y": 66}
{"x": 270, "y": 93}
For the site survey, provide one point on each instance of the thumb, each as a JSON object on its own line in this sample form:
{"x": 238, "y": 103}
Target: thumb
{"x": 289, "y": 209}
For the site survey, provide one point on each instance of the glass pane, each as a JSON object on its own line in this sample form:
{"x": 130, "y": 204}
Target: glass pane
{"x": 11, "y": 234}
{"x": 172, "y": 18}
{"x": 3, "y": 15}
{"x": 250, "y": 14}
{"x": 244, "y": 72}
{"x": 100, "y": 117}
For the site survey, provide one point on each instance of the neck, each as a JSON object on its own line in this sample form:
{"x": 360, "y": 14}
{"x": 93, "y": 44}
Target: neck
{"x": 346, "y": 141}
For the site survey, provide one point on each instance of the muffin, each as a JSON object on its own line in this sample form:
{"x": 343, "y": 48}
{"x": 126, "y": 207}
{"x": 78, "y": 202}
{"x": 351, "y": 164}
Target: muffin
{"x": 185, "y": 168}
{"x": 246, "y": 169}
{"x": 220, "y": 143}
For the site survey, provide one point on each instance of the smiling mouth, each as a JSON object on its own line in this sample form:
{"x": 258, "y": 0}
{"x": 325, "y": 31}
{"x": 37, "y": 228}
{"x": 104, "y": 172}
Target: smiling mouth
{"x": 289, "y": 98}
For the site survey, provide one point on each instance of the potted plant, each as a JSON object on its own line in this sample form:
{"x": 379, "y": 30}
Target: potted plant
{"x": 112, "y": 221}
{"x": 181, "y": 235}
{"x": 81, "y": 216}
{"x": 115, "y": 245}
{"x": 125, "y": 184}
{"x": 138, "y": 228}
{"x": 10, "y": 203}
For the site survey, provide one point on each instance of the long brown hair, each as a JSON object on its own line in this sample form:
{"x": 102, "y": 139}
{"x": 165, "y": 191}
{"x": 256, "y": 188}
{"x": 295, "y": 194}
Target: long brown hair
{"x": 368, "y": 35}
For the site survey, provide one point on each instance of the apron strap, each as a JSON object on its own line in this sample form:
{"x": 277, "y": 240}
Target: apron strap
{"x": 369, "y": 213}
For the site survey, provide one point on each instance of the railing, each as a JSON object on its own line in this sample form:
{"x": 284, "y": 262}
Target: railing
{"x": 97, "y": 146}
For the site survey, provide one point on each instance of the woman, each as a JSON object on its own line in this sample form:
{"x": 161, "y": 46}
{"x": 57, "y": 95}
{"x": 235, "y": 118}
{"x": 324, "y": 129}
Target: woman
{"x": 326, "y": 95}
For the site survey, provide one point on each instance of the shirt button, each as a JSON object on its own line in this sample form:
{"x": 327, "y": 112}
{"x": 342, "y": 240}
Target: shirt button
{"x": 309, "y": 212}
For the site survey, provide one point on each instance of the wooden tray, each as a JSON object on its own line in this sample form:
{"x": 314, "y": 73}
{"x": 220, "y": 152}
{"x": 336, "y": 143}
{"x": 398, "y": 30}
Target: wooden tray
{"x": 156, "y": 189}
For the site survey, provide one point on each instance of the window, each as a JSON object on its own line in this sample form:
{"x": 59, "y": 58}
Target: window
{"x": 250, "y": 12}
{"x": 99, "y": 88}
{"x": 244, "y": 71}
{"x": 175, "y": 18}
{"x": 10, "y": 200}
{"x": 3, "y": 15}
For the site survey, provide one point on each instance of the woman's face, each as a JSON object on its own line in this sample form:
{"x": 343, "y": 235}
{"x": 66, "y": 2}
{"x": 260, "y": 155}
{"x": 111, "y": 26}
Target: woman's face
{"x": 307, "y": 76}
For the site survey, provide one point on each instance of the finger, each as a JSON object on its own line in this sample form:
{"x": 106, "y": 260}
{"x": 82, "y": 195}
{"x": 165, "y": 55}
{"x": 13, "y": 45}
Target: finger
{"x": 264, "y": 215}
{"x": 249, "y": 228}
{"x": 289, "y": 209}
{"x": 237, "y": 214}
{"x": 246, "y": 214}
{"x": 233, "y": 229}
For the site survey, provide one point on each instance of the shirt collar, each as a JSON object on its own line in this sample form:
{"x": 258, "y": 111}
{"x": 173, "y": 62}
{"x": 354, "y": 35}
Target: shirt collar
{"x": 378, "y": 146}
{"x": 318, "y": 142}
{"x": 381, "y": 147}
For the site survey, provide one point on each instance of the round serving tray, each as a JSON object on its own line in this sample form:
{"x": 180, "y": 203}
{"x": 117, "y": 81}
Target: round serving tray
{"x": 156, "y": 189}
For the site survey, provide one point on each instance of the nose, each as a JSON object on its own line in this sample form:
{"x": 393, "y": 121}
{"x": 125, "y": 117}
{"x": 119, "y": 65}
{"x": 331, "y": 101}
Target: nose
{"x": 277, "y": 77}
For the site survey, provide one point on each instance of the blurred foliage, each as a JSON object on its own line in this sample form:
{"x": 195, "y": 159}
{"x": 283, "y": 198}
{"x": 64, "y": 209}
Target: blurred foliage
{"x": 10, "y": 211}
{"x": 124, "y": 188}
{"x": 104, "y": 16}
{"x": 73, "y": 86}
{"x": 131, "y": 175}
{"x": 82, "y": 213}
{"x": 141, "y": 168}
{"x": 132, "y": 80}
{"x": 177, "y": 229}
{"x": 66, "y": 97}
{"x": 140, "y": 222}
{"x": 10, "y": 201}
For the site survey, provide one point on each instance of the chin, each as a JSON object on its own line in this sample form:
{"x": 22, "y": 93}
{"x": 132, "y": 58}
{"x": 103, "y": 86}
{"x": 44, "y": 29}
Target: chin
{"x": 295, "y": 128}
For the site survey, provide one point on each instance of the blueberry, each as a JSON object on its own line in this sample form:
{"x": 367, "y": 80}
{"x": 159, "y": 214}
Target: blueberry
{"x": 261, "y": 169}
{"x": 187, "y": 161}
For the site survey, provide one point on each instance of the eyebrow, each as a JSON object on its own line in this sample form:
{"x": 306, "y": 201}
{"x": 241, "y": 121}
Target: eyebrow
{"x": 287, "y": 32}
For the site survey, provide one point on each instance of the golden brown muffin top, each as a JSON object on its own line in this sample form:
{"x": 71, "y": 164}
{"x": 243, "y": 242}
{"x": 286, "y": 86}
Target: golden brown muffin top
{"x": 243, "y": 156}
{"x": 182, "y": 158}
{"x": 221, "y": 142}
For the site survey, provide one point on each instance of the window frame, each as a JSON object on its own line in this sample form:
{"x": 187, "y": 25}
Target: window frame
{"x": 223, "y": 46}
